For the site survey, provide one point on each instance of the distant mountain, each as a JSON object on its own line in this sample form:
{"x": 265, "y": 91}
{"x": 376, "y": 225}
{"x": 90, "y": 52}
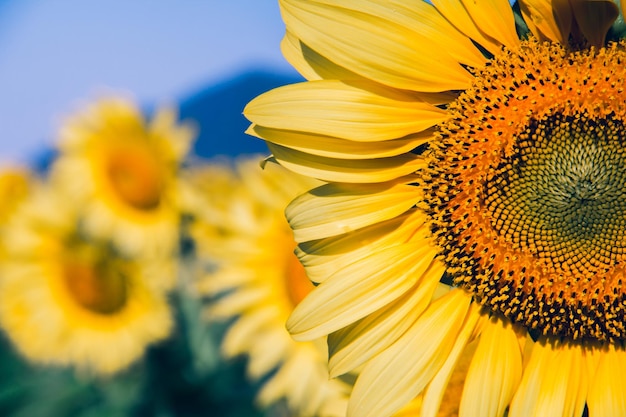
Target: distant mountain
{"x": 217, "y": 110}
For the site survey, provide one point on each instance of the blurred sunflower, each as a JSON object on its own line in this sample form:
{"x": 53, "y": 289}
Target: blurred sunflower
{"x": 70, "y": 301}
{"x": 122, "y": 170}
{"x": 15, "y": 184}
{"x": 257, "y": 281}
{"x": 470, "y": 143}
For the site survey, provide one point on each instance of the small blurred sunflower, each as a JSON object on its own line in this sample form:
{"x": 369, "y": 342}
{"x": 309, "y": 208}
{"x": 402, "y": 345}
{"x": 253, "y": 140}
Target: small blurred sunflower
{"x": 68, "y": 300}
{"x": 121, "y": 169}
{"x": 469, "y": 143}
{"x": 256, "y": 280}
{"x": 15, "y": 185}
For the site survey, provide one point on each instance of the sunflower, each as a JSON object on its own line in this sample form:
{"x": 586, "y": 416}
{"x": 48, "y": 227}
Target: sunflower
{"x": 67, "y": 300}
{"x": 122, "y": 170}
{"x": 475, "y": 145}
{"x": 15, "y": 184}
{"x": 256, "y": 280}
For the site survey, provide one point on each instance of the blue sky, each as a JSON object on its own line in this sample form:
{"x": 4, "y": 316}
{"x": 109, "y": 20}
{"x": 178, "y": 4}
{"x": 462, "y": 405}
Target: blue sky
{"x": 55, "y": 54}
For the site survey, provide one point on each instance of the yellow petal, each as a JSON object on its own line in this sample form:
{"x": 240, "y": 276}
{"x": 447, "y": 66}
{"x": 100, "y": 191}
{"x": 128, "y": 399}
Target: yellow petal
{"x": 548, "y": 19}
{"x": 226, "y": 278}
{"x": 266, "y": 350}
{"x": 428, "y": 24}
{"x": 300, "y": 368}
{"x": 457, "y": 14}
{"x": 607, "y": 388}
{"x": 359, "y": 289}
{"x": 397, "y": 375}
{"x": 348, "y": 111}
{"x": 494, "y": 373}
{"x": 554, "y": 383}
{"x": 594, "y": 18}
{"x": 310, "y": 64}
{"x": 233, "y": 303}
{"x": 334, "y": 209}
{"x": 314, "y": 66}
{"x": 402, "y": 51}
{"x": 347, "y": 170}
{"x": 332, "y": 147}
{"x": 436, "y": 389}
{"x": 237, "y": 338}
{"x": 321, "y": 258}
{"x": 495, "y": 18}
{"x": 412, "y": 409}
{"x": 353, "y": 345}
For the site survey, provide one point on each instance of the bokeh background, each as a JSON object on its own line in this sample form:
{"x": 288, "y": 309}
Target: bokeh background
{"x": 209, "y": 57}
{"x": 206, "y": 57}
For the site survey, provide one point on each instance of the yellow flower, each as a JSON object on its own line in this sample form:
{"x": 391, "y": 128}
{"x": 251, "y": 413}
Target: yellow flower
{"x": 70, "y": 301}
{"x": 241, "y": 232}
{"x": 122, "y": 171}
{"x": 15, "y": 184}
{"x": 471, "y": 144}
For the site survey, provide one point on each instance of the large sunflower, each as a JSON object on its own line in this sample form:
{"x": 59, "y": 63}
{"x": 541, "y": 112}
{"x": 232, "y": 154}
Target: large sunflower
{"x": 68, "y": 300}
{"x": 121, "y": 169}
{"x": 241, "y": 231}
{"x": 469, "y": 143}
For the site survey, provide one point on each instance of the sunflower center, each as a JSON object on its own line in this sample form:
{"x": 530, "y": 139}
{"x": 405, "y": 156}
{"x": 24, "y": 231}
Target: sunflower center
{"x": 526, "y": 189}
{"x": 561, "y": 196}
{"x": 135, "y": 175}
{"x": 97, "y": 286}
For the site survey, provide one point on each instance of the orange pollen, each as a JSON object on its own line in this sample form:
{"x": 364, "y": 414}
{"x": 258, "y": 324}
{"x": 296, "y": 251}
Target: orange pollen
{"x": 526, "y": 189}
